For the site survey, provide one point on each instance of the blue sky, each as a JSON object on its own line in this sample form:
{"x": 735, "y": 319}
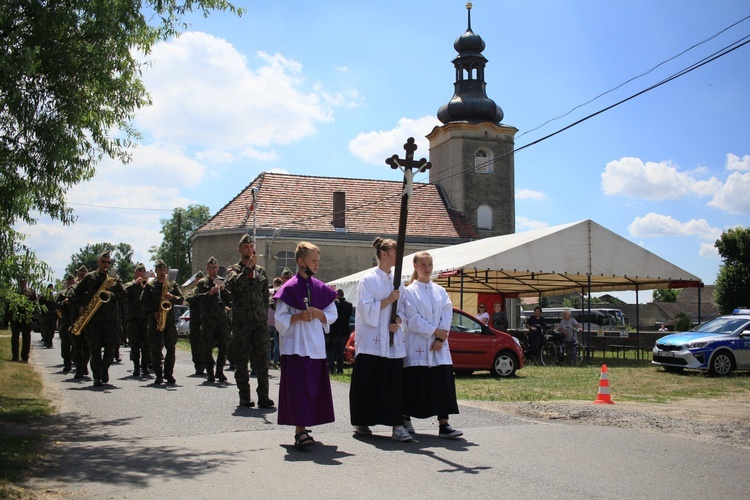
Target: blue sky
{"x": 333, "y": 88}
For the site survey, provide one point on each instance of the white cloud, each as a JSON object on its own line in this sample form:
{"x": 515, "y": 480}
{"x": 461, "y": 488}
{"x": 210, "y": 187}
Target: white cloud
{"x": 526, "y": 224}
{"x": 529, "y": 194}
{"x": 206, "y": 95}
{"x": 734, "y": 162}
{"x": 708, "y": 250}
{"x": 654, "y": 225}
{"x": 652, "y": 181}
{"x": 732, "y": 196}
{"x": 375, "y": 147}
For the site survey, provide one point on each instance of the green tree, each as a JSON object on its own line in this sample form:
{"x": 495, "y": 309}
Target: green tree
{"x": 122, "y": 258}
{"x": 733, "y": 281}
{"x": 70, "y": 83}
{"x": 176, "y": 248}
{"x": 683, "y": 323}
{"x": 665, "y": 295}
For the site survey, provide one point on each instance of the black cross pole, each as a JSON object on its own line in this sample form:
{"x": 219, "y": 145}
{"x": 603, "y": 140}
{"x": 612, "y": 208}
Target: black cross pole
{"x": 405, "y": 165}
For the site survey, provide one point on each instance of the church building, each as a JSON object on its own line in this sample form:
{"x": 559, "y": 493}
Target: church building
{"x": 470, "y": 194}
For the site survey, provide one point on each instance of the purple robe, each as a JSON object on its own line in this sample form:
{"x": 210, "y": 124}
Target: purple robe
{"x": 294, "y": 292}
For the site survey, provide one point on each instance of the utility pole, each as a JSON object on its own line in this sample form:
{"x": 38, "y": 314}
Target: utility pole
{"x": 177, "y": 243}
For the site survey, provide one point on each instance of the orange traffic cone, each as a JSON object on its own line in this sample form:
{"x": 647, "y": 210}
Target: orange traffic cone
{"x": 603, "y": 396}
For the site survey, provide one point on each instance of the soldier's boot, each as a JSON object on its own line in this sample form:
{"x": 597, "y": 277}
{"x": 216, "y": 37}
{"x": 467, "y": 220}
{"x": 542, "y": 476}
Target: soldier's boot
{"x": 220, "y": 374}
{"x": 136, "y": 369}
{"x": 210, "y": 373}
{"x": 245, "y": 399}
{"x": 159, "y": 379}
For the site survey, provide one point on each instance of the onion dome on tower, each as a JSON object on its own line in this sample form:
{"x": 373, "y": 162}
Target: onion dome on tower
{"x": 470, "y": 102}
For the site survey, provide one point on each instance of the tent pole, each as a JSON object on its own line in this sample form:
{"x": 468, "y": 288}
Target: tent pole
{"x": 588, "y": 323}
{"x": 461, "y": 300}
{"x": 699, "y": 302}
{"x": 637, "y": 325}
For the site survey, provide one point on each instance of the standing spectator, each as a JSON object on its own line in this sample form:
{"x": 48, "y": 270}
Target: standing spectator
{"x": 48, "y": 315}
{"x": 21, "y": 316}
{"x": 212, "y": 299}
{"x": 429, "y": 387}
{"x": 499, "y": 318}
{"x": 247, "y": 284}
{"x": 339, "y": 334}
{"x": 305, "y": 310}
{"x": 64, "y": 306}
{"x": 151, "y": 299}
{"x": 101, "y": 330}
{"x": 137, "y": 323}
{"x": 537, "y": 326}
{"x": 483, "y": 315}
{"x": 376, "y": 390}
{"x": 273, "y": 333}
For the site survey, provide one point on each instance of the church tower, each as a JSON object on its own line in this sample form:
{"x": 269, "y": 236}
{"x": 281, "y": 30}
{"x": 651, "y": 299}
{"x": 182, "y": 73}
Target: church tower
{"x": 472, "y": 152}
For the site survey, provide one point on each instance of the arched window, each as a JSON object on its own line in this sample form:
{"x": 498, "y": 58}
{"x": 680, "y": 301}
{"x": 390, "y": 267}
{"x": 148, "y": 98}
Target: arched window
{"x": 284, "y": 259}
{"x": 484, "y": 217}
{"x": 483, "y": 162}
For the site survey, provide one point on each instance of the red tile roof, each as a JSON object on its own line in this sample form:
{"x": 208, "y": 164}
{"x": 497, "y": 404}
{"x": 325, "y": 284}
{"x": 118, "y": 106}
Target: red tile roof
{"x": 305, "y": 203}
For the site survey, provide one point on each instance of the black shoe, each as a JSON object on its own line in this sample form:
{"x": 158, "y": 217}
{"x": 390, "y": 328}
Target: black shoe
{"x": 210, "y": 379}
{"x": 136, "y": 373}
{"x": 105, "y": 377}
{"x": 158, "y": 381}
{"x": 145, "y": 372}
{"x": 79, "y": 375}
{"x": 247, "y": 402}
{"x": 265, "y": 403}
{"x": 97, "y": 383}
{"x": 66, "y": 368}
{"x": 199, "y": 371}
{"x": 221, "y": 376}
{"x": 171, "y": 380}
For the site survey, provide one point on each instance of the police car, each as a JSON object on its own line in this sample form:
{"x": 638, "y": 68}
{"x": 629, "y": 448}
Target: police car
{"x": 719, "y": 346}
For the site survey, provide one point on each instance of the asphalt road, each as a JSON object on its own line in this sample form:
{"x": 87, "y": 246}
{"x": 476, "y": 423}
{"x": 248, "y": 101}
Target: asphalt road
{"x": 130, "y": 439}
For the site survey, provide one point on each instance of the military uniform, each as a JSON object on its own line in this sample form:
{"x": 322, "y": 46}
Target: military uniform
{"x": 79, "y": 347}
{"x": 66, "y": 314}
{"x": 167, "y": 339}
{"x": 196, "y": 339}
{"x": 48, "y": 317}
{"x": 21, "y": 321}
{"x": 214, "y": 328}
{"x": 137, "y": 325}
{"x": 101, "y": 331}
{"x": 248, "y": 289}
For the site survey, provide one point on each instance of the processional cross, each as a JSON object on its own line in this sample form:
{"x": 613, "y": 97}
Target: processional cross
{"x": 405, "y": 165}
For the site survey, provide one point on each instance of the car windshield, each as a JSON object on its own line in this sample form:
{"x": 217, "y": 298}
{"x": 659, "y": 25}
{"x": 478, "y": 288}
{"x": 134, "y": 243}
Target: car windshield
{"x": 463, "y": 323}
{"x": 721, "y": 326}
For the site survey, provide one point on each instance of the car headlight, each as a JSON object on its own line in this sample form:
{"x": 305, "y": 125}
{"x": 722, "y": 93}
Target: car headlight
{"x": 697, "y": 345}
{"x": 518, "y": 342}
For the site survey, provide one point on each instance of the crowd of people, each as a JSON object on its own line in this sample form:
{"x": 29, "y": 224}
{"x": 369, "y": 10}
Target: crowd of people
{"x": 295, "y": 323}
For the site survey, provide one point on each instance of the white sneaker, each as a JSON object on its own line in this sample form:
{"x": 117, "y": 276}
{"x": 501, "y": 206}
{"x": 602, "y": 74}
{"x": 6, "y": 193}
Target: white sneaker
{"x": 362, "y": 430}
{"x": 446, "y": 431}
{"x": 409, "y": 427}
{"x": 401, "y": 434}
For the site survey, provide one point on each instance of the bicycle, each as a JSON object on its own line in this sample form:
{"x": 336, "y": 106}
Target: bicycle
{"x": 554, "y": 350}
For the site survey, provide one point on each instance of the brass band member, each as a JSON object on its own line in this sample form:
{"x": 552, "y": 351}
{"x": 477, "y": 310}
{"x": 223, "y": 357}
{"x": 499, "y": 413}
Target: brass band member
{"x": 212, "y": 300}
{"x": 101, "y": 330}
{"x": 157, "y": 299}
{"x": 80, "y": 349}
{"x": 64, "y": 306}
{"x": 137, "y": 324}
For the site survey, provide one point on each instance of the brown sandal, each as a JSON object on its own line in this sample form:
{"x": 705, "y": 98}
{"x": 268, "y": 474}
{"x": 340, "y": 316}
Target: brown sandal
{"x": 303, "y": 442}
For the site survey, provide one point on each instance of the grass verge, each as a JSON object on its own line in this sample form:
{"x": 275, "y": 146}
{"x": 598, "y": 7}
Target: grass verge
{"x": 629, "y": 380}
{"x": 21, "y": 403}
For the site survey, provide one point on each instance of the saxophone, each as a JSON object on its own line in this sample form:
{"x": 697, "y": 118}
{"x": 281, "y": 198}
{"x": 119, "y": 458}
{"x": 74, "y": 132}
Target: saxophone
{"x": 164, "y": 307}
{"x": 102, "y": 296}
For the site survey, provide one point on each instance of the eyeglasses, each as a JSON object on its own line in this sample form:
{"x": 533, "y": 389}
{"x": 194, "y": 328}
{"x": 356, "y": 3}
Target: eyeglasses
{"x": 481, "y": 307}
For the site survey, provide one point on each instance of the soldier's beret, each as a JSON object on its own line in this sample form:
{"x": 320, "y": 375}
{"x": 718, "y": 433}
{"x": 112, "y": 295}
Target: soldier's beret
{"x": 212, "y": 260}
{"x": 246, "y": 239}
{"x": 69, "y": 277}
{"x": 160, "y": 264}
{"x": 140, "y": 267}
{"x": 83, "y": 269}
{"x": 287, "y": 272}
{"x": 104, "y": 255}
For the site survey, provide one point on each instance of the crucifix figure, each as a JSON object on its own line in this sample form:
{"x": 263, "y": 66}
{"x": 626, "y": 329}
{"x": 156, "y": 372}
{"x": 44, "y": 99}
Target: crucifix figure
{"x": 409, "y": 166}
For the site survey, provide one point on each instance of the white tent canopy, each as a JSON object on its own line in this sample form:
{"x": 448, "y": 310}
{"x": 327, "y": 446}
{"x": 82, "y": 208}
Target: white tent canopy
{"x": 581, "y": 256}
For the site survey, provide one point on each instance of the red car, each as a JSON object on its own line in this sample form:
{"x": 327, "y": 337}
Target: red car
{"x": 474, "y": 346}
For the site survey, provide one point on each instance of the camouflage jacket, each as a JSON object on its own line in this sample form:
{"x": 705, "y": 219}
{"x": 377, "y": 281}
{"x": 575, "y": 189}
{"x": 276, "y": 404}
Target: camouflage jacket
{"x": 210, "y": 305}
{"x": 151, "y": 298}
{"x": 248, "y": 289}
{"x": 133, "y": 306}
{"x": 87, "y": 288}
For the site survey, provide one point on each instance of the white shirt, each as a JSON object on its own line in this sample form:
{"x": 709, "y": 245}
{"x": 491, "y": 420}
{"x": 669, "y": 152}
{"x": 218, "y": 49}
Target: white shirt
{"x": 426, "y": 308}
{"x": 305, "y": 338}
{"x": 371, "y": 322}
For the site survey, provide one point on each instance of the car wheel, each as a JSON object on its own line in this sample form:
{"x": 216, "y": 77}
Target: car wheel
{"x": 721, "y": 364}
{"x": 504, "y": 365}
{"x": 549, "y": 354}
